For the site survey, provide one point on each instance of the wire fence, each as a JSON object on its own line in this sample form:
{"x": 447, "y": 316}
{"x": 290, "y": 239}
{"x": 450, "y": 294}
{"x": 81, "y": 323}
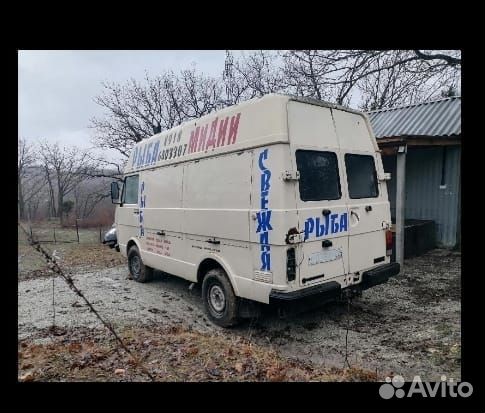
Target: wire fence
{"x": 57, "y": 270}
{"x": 55, "y": 234}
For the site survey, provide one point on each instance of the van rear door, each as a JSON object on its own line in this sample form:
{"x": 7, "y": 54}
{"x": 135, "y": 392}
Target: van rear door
{"x": 320, "y": 197}
{"x": 367, "y": 196}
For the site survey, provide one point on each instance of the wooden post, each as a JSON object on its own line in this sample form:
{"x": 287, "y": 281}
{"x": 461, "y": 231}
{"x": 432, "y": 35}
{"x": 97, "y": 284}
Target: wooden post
{"x": 55, "y": 242}
{"x": 77, "y": 231}
{"x": 400, "y": 202}
{"x": 100, "y": 240}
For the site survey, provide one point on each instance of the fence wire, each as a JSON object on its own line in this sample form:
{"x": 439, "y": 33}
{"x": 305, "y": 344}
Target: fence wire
{"x": 68, "y": 234}
{"x": 55, "y": 268}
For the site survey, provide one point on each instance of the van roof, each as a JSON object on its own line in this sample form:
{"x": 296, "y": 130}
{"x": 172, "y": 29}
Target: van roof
{"x": 269, "y": 96}
{"x": 268, "y": 113}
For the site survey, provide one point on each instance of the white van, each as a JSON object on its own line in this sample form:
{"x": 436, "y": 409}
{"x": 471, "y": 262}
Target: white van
{"x": 277, "y": 198}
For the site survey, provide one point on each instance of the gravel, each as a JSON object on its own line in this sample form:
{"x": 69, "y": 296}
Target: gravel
{"x": 408, "y": 326}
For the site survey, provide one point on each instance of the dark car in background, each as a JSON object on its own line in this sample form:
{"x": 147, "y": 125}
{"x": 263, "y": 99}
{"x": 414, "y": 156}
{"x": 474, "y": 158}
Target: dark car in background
{"x": 110, "y": 239}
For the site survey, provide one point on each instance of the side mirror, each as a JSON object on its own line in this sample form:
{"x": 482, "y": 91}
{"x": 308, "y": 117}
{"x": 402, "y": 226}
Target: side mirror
{"x": 115, "y": 192}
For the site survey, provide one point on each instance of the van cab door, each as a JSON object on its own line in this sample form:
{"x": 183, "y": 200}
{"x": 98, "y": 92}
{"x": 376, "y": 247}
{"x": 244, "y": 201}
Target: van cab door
{"x": 367, "y": 196}
{"x": 128, "y": 213}
{"x": 320, "y": 196}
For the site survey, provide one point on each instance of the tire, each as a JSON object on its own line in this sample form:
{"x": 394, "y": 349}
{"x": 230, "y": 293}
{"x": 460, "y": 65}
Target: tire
{"x": 138, "y": 271}
{"x": 220, "y": 302}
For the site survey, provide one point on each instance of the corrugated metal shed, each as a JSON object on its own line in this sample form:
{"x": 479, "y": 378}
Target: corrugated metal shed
{"x": 436, "y": 118}
{"x": 425, "y": 197}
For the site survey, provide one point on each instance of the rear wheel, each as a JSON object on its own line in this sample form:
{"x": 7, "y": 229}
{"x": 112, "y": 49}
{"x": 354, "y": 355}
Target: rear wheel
{"x": 221, "y": 304}
{"x": 139, "y": 271}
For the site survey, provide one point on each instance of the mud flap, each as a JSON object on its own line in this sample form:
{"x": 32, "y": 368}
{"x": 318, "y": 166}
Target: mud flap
{"x": 248, "y": 308}
{"x": 379, "y": 275}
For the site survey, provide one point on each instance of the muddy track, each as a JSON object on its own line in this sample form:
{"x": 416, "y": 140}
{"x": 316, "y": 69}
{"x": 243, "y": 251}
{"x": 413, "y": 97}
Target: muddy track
{"x": 409, "y": 326}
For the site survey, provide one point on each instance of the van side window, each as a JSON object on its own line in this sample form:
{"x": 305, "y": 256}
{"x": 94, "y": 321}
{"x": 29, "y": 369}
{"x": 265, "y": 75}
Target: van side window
{"x": 361, "y": 176}
{"x": 319, "y": 177}
{"x": 130, "y": 190}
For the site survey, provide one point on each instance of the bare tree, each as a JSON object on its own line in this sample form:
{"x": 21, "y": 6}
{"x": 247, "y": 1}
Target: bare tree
{"x": 24, "y": 159}
{"x": 138, "y": 110}
{"x": 100, "y": 167}
{"x": 199, "y": 94}
{"x": 36, "y": 191}
{"x": 236, "y": 88}
{"x": 30, "y": 180}
{"x": 253, "y": 75}
{"x": 392, "y": 84}
{"x": 373, "y": 78}
{"x": 87, "y": 196}
{"x": 48, "y": 173}
{"x": 382, "y": 77}
{"x": 306, "y": 73}
{"x": 64, "y": 168}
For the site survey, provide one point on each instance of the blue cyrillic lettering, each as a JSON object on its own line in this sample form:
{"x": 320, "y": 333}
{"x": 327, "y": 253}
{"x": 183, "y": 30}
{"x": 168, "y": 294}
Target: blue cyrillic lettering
{"x": 333, "y": 223}
{"x": 263, "y": 221}
{"x": 319, "y": 228}
{"x": 309, "y": 226}
{"x": 265, "y": 177}
{"x": 343, "y": 222}
{"x": 265, "y": 261}
{"x": 263, "y": 156}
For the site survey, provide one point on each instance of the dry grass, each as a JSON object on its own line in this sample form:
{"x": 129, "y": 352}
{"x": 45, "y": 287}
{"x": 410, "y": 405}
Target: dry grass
{"x": 172, "y": 354}
{"x": 88, "y": 254}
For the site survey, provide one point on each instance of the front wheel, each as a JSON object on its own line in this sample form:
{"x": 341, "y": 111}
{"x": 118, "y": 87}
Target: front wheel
{"x": 139, "y": 271}
{"x": 220, "y": 302}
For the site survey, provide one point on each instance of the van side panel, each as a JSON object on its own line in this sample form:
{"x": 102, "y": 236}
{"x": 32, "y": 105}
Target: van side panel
{"x": 216, "y": 197}
{"x": 162, "y": 213}
{"x": 216, "y": 203}
{"x": 163, "y": 188}
{"x": 271, "y": 194}
{"x": 273, "y": 213}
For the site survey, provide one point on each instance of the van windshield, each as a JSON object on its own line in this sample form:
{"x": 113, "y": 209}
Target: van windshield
{"x": 319, "y": 176}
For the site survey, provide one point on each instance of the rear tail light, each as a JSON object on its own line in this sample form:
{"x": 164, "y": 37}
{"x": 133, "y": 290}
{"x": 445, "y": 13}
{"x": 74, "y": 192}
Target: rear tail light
{"x": 388, "y": 243}
{"x": 290, "y": 264}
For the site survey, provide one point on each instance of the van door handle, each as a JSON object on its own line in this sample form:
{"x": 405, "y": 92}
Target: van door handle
{"x": 357, "y": 217}
{"x": 326, "y": 212}
{"x": 136, "y": 211}
{"x": 368, "y": 208}
{"x": 161, "y": 233}
{"x": 213, "y": 241}
{"x": 326, "y": 243}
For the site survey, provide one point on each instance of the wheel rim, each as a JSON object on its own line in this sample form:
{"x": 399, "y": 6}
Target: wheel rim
{"x": 217, "y": 298}
{"x": 135, "y": 265}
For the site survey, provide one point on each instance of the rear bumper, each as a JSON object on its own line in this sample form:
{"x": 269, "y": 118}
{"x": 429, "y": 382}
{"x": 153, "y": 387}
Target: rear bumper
{"x": 332, "y": 290}
{"x": 379, "y": 275}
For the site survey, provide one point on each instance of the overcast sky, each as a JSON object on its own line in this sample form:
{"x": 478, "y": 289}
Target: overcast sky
{"x": 56, "y": 88}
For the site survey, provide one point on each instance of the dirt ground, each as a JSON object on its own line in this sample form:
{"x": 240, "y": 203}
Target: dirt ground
{"x": 408, "y": 326}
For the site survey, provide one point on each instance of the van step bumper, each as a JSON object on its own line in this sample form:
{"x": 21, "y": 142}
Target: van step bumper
{"x": 295, "y": 302}
{"x": 379, "y": 275}
{"x": 332, "y": 290}
{"x": 328, "y": 290}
